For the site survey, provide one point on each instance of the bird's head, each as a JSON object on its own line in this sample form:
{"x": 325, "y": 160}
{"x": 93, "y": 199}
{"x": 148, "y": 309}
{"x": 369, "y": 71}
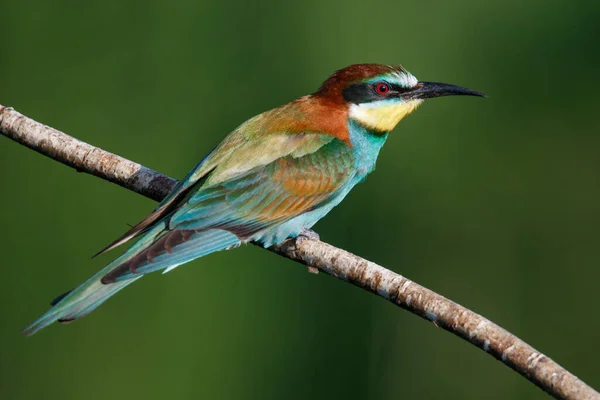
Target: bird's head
{"x": 379, "y": 96}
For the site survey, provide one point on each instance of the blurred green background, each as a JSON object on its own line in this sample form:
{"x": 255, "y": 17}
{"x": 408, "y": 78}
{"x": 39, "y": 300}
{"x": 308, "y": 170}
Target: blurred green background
{"x": 493, "y": 203}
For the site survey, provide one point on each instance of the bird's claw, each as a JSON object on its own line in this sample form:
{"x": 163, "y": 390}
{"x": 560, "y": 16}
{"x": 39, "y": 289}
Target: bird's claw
{"x": 308, "y": 234}
{"x": 313, "y": 270}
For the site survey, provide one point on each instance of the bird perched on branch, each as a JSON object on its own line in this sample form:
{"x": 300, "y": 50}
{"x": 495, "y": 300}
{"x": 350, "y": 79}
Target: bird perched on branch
{"x": 271, "y": 179}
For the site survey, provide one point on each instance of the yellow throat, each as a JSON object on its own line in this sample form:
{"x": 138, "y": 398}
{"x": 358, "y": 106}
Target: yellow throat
{"x": 382, "y": 116}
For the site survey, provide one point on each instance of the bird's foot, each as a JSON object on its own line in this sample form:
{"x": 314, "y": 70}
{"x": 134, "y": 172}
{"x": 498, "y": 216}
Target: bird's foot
{"x": 308, "y": 234}
{"x": 313, "y": 270}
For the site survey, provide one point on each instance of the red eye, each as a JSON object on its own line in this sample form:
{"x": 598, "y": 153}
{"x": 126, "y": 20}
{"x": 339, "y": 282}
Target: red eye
{"x": 382, "y": 88}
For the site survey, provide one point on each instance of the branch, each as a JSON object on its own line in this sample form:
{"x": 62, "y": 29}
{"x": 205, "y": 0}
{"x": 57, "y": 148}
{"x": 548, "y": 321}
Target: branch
{"x": 443, "y": 313}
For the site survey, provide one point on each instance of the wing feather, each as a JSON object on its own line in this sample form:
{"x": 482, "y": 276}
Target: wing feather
{"x": 269, "y": 170}
{"x": 234, "y": 157}
{"x": 235, "y": 210}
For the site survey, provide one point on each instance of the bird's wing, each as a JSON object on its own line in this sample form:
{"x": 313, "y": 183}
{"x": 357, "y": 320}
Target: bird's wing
{"x": 167, "y": 205}
{"x": 273, "y": 192}
{"x": 258, "y": 142}
{"x": 225, "y": 212}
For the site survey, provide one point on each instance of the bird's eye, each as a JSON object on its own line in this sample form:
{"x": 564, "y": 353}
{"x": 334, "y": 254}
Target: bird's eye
{"x": 382, "y": 88}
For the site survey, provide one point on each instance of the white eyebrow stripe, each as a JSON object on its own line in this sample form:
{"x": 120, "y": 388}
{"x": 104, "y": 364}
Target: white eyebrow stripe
{"x": 404, "y": 79}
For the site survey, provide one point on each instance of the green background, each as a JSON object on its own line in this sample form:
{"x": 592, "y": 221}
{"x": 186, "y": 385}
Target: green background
{"x": 493, "y": 203}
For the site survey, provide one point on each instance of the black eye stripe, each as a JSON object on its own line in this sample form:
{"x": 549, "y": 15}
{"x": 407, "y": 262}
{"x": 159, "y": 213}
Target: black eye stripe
{"x": 359, "y": 93}
{"x": 397, "y": 88}
{"x": 367, "y": 92}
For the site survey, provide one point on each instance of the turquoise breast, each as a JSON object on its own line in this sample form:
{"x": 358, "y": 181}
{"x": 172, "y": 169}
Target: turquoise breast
{"x": 366, "y": 145}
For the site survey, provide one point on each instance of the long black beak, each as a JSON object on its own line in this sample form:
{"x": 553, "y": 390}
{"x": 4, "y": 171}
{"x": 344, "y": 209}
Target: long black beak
{"x": 428, "y": 90}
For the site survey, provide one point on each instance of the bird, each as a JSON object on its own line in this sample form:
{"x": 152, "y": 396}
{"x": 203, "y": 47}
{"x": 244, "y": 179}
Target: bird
{"x": 270, "y": 179}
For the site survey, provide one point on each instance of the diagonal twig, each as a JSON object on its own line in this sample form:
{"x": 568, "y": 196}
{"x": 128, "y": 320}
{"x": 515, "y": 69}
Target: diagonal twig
{"x": 444, "y": 313}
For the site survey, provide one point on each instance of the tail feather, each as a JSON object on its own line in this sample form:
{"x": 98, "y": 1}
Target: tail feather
{"x": 88, "y": 296}
{"x": 197, "y": 245}
{"x": 57, "y": 299}
{"x": 79, "y": 302}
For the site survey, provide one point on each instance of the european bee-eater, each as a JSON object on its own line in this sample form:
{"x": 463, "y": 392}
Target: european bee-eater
{"x": 273, "y": 177}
